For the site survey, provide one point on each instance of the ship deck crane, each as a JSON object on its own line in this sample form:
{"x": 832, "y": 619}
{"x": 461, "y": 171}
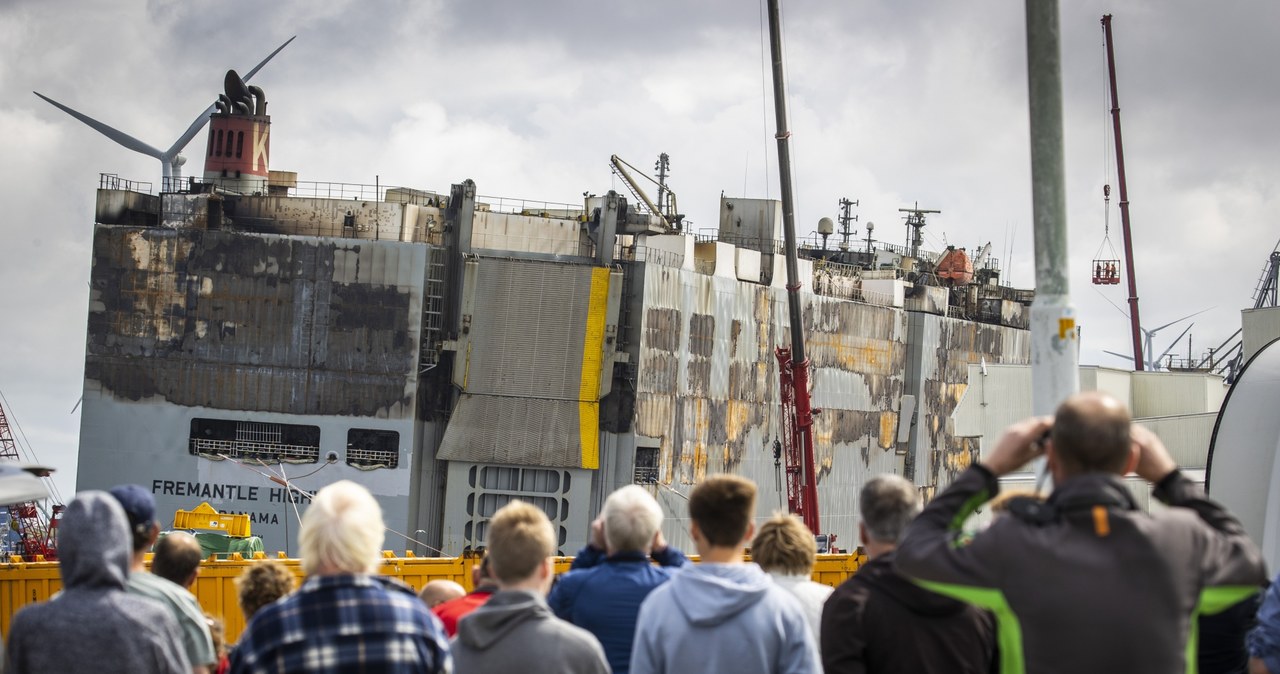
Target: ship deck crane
{"x": 666, "y": 207}
{"x": 37, "y": 532}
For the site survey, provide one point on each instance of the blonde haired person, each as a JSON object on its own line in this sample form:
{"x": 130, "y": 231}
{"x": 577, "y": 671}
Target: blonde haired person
{"x": 352, "y": 618}
{"x": 786, "y": 550}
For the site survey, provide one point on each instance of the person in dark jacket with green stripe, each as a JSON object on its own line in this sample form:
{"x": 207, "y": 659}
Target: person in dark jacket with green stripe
{"x": 1086, "y": 582}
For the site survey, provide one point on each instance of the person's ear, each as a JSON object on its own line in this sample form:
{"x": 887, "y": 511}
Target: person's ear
{"x": 694, "y": 532}
{"x": 751, "y": 533}
{"x": 862, "y": 533}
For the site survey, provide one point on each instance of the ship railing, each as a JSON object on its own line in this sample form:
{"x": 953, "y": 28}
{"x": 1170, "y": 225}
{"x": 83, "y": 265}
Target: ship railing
{"x": 954, "y": 311}
{"x": 111, "y": 181}
{"x": 637, "y": 253}
{"x": 531, "y": 207}
{"x": 882, "y": 274}
{"x": 851, "y": 293}
{"x": 764, "y": 245}
{"x": 837, "y": 269}
{"x": 243, "y": 449}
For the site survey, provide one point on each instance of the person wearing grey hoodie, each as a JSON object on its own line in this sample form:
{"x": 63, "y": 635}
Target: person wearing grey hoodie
{"x": 93, "y": 625}
{"x": 723, "y": 615}
{"x": 515, "y": 630}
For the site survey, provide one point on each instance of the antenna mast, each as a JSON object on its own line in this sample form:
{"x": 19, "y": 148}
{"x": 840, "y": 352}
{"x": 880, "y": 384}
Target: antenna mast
{"x": 845, "y": 220}
{"x": 915, "y": 220}
{"x": 1130, "y": 274}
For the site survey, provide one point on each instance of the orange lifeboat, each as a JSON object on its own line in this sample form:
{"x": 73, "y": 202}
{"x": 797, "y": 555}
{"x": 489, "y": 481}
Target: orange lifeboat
{"x": 955, "y": 267}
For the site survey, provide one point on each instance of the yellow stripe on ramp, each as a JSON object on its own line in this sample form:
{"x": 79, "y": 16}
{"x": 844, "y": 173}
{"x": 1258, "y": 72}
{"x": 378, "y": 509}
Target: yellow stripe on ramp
{"x": 592, "y": 356}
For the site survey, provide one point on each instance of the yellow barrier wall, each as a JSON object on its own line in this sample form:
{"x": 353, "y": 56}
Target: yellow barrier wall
{"x": 27, "y": 583}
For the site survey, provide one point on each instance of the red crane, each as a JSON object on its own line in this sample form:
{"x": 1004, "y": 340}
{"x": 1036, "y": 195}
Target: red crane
{"x": 797, "y": 439}
{"x": 793, "y": 365}
{"x": 37, "y": 532}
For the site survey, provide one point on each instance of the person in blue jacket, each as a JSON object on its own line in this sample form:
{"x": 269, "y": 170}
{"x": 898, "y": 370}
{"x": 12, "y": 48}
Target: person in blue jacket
{"x": 612, "y": 575}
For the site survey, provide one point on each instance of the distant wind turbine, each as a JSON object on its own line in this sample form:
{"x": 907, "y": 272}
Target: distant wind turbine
{"x": 170, "y": 161}
{"x": 1153, "y": 361}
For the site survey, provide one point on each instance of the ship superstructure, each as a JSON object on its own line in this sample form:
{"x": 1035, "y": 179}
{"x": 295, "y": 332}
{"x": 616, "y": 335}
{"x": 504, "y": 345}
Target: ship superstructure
{"x": 452, "y": 351}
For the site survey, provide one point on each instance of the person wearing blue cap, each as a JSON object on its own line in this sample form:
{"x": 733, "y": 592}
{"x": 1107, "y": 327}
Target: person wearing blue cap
{"x": 140, "y": 507}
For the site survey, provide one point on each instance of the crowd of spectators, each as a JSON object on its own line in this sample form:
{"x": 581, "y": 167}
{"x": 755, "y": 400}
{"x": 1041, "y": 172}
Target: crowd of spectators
{"x": 1080, "y": 580}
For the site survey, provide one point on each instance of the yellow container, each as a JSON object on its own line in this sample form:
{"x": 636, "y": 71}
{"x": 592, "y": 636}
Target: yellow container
{"x": 205, "y": 517}
{"x": 23, "y": 583}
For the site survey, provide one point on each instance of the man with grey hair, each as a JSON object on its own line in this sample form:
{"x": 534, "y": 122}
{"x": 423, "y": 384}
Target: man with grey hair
{"x": 345, "y": 617}
{"x": 610, "y": 577}
{"x": 878, "y": 621}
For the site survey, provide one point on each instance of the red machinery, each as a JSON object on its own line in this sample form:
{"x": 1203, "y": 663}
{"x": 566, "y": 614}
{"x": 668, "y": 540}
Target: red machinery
{"x": 38, "y": 533}
{"x": 797, "y": 439}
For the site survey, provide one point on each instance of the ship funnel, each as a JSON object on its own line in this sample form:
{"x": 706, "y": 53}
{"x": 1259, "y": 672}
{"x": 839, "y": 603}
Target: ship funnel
{"x": 238, "y": 151}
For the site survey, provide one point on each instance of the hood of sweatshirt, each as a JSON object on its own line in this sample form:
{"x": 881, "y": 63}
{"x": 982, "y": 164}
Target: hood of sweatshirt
{"x": 879, "y": 574}
{"x": 709, "y": 594}
{"x": 505, "y": 611}
{"x": 94, "y": 543}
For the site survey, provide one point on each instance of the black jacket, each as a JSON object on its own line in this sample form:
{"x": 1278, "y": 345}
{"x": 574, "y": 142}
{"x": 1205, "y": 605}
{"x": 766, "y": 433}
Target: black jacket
{"x": 878, "y": 621}
{"x": 1088, "y": 583}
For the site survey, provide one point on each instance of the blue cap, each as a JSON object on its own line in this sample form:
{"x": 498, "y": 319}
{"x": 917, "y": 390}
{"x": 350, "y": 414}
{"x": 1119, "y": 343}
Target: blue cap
{"x": 138, "y": 504}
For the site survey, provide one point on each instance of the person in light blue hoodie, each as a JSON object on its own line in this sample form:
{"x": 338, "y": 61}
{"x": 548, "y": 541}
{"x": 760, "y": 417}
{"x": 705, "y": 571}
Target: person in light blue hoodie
{"x": 722, "y": 615}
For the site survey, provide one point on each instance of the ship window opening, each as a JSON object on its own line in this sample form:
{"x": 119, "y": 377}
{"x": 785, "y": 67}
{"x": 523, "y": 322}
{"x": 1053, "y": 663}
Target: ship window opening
{"x": 239, "y": 144}
{"x": 217, "y": 150}
{"x": 538, "y": 480}
{"x": 228, "y": 152}
{"x": 646, "y": 471}
{"x": 254, "y": 441}
{"x": 368, "y": 449}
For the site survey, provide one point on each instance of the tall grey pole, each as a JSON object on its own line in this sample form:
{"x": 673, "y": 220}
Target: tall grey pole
{"x": 1054, "y": 359}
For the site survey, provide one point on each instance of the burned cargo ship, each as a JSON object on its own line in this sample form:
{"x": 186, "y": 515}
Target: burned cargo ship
{"x": 253, "y": 337}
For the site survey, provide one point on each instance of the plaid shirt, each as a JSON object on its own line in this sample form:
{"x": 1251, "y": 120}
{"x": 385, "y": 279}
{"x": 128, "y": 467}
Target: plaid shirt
{"x": 347, "y": 623}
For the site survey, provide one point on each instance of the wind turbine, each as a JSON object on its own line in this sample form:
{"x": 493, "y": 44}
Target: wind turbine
{"x": 170, "y": 161}
{"x": 1153, "y": 362}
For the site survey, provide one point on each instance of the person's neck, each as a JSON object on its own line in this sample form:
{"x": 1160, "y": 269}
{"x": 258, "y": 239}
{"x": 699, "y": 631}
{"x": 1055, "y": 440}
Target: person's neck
{"x": 532, "y": 584}
{"x": 138, "y": 563}
{"x": 716, "y": 554}
{"x": 877, "y": 549}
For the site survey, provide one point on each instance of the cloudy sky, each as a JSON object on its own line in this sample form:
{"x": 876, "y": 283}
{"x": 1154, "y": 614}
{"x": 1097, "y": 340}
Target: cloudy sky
{"x": 892, "y": 103}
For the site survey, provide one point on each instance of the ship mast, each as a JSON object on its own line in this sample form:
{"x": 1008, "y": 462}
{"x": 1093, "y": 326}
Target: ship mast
{"x": 1130, "y": 274}
{"x": 794, "y": 365}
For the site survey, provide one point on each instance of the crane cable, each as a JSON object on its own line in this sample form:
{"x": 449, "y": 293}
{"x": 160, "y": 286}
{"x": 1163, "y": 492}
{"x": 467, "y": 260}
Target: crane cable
{"x": 1107, "y": 154}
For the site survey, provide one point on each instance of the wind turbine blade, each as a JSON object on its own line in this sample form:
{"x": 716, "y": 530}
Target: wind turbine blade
{"x": 1173, "y": 344}
{"x": 196, "y": 124}
{"x": 203, "y": 117}
{"x": 114, "y": 134}
{"x": 1126, "y": 356}
{"x": 258, "y": 67}
{"x": 1179, "y": 320}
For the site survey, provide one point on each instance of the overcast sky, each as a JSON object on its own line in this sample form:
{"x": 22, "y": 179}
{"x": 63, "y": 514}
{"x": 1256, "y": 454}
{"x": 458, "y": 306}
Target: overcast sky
{"x": 892, "y": 103}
